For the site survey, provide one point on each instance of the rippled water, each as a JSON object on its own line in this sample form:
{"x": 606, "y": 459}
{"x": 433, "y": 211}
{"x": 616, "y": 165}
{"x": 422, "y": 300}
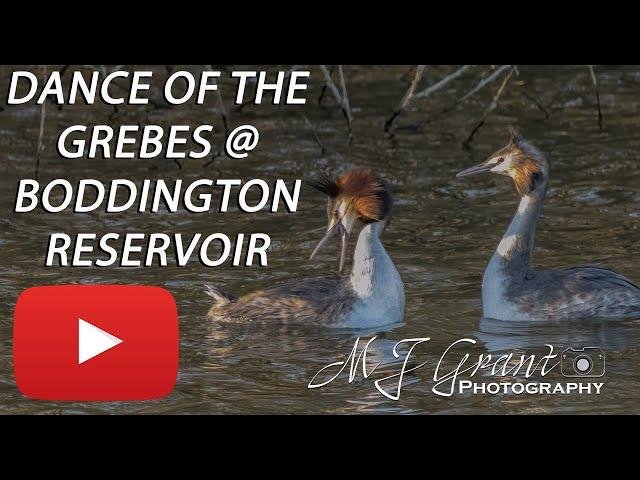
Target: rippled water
{"x": 443, "y": 233}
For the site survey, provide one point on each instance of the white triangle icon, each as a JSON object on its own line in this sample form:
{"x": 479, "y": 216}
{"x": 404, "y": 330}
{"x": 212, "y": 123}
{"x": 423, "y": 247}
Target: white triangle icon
{"x": 93, "y": 341}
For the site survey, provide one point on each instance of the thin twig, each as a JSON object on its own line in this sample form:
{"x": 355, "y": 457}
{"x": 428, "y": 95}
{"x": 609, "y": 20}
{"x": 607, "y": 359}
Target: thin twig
{"x": 412, "y": 87}
{"x": 295, "y": 68}
{"x": 315, "y": 135}
{"x": 539, "y": 105}
{"x": 439, "y": 86}
{"x": 558, "y": 101}
{"x": 345, "y": 96}
{"x": 341, "y": 98}
{"x": 43, "y": 112}
{"x": 63, "y": 70}
{"x": 595, "y": 86}
{"x": 323, "y": 91}
{"x": 492, "y": 106}
{"x": 223, "y": 115}
{"x": 330, "y": 84}
{"x": 408, "y": 96}
{"x": 223, "y": 110}
{"x": 484, "y": 82}
{"x": 442, "y": 83}
{"x": 479, "y": 86}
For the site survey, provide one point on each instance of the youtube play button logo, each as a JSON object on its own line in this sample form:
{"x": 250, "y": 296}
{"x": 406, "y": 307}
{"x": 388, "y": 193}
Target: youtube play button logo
{"x": 92, "y": 341}
{"x": 95, "y": 343}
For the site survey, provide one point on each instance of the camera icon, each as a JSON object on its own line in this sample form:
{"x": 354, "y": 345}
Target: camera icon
{"x": 583, "y": 362}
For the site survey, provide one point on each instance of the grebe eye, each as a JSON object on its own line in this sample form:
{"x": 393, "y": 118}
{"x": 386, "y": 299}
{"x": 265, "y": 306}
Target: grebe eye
{"x": 500, "y": 159}
{"x": 336, "y": 213}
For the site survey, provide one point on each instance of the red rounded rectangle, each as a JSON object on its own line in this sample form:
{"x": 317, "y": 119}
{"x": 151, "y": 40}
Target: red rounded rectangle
{"x": 95, "y": 343}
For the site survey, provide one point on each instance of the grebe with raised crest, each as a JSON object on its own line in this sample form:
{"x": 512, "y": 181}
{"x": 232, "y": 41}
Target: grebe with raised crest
{"x": 371, "y": 296}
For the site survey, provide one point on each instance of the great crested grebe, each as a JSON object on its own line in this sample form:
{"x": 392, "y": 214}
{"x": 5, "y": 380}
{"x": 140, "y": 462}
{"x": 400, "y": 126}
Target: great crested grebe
{"x": 371, "y": 296}
{"x": 511, "y": 289}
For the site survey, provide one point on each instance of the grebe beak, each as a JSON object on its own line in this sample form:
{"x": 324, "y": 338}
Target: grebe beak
{"x": 482, "y": 168}
{"x": 344, "y": 236}
{"x": 337, "y": 227}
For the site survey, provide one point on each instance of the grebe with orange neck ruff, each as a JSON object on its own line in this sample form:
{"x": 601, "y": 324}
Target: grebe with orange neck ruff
{"x": 371, "y": 296}
{"x": 511, "y": 288}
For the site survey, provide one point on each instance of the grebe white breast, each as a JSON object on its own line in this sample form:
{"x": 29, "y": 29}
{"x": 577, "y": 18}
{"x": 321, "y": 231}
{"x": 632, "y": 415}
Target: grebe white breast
{"x": 511, "y": 288}
{"x": 371, "y": 296}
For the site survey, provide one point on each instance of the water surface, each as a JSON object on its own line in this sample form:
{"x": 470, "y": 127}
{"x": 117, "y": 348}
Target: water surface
{"x": 443, "y": 233}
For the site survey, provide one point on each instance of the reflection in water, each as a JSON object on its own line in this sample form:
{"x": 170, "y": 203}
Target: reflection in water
{"x": 441, "y": 237}
{"x": 610, "y": 335}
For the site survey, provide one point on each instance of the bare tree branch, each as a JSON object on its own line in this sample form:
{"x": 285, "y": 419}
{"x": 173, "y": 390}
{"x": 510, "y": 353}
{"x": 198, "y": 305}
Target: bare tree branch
{"x": 345, "y": 96}
{"x": 341, "y": 98}
{"x": 43, "y": 112}
{"x": 442, "y": 83}
{"x": 295, "y": 68}
{"x": 330, "y": 84}
{"x": 484, "y": 82}
{"x": 492, "y": 106}
{"x": 223, "y": 110}
{"x": 408, "y": 96}
{"x": 594, "y": 80}
{"x": 315, "y": 135}
{"x": 539, "y": 105}
{"x": 323, "y": 91}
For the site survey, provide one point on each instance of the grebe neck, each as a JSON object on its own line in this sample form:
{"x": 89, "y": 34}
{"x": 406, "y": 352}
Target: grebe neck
{"x": 371, "y": 263}
{"x": 515, "y": 251}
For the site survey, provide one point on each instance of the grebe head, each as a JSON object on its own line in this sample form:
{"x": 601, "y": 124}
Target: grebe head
{"x": 520, "y": 160}
{"x": 357, "y": 197}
